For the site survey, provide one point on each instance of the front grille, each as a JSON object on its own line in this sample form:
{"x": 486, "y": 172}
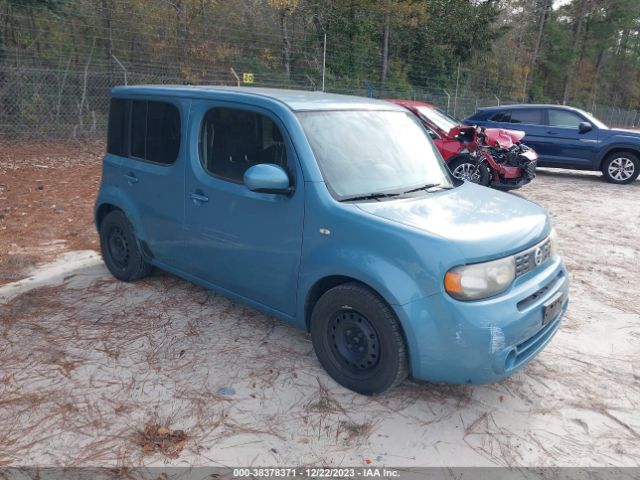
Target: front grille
{"x": 531, "y": 299}
{"x": 533, "y": 257}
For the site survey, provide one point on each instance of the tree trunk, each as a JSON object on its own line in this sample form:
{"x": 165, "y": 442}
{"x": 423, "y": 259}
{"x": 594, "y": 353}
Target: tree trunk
{"x": 182, "y": 34}
{"x": 577, "y": 33}
{"x": 320, "y": 30}
{"x": 3, "y": 39}
{"x": 352, "y": 48}
{"x": 286, "y": 44}
{"x": 35, "y": 35}
{"x": 544, "y": 15}
{"x": 3, "y": 61}
{"x": 385, "y": 44}
{"x": 596, "y": 75}
{"x": 106, "y": 22}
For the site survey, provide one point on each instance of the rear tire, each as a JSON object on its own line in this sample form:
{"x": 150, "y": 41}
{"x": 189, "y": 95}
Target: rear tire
{"x": 119, "y": 248}
{"x": 464, "y": 168}
{"x": 358, "y": 339}
{"x": 621, "y": 168}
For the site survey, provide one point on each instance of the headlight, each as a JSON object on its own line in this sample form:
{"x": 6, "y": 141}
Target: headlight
{"x": 553, "y": 243}
{"x": 480, "y": 280}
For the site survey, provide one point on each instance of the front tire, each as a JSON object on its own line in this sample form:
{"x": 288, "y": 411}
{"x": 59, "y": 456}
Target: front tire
{"x": 358, "y": 339}
{"x": 119, "y": 248}
{"x": 465, "y": 168}
{"x": 621, "y": 168}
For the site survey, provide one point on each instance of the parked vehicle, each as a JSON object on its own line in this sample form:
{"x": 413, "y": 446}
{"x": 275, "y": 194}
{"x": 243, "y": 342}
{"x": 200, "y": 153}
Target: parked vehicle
{"x": 337, "y": 215}
{"x": 494, "y": 157}
{"x": 566, "y": 137}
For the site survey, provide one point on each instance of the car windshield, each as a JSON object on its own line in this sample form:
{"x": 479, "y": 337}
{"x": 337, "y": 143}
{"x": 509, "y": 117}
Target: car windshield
{"x": 439, "y": 119}
{"x": 372, "y": 153}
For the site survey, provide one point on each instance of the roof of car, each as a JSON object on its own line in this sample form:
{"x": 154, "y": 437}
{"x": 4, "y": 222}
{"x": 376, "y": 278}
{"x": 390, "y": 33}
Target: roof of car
{"x": 527, "y": 105}
{"x": 297, "y": 100}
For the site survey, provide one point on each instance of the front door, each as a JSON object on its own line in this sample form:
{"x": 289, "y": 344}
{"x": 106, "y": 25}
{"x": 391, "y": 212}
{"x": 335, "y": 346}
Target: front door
{"x": 573, "y": 149}
{"x": 245, "y": 242}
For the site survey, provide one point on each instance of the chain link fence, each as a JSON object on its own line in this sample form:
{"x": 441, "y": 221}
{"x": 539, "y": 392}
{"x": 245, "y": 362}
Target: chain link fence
{"x": 60, "y": 104}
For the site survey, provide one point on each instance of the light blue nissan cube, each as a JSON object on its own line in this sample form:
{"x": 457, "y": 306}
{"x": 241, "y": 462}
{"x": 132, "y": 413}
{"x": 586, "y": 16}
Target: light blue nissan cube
{"x": 337, "y": 215}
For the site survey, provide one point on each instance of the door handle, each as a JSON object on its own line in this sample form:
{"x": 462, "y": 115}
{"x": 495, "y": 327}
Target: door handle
{"x": 131, "y": 178}
{"x": 199, "y": 197}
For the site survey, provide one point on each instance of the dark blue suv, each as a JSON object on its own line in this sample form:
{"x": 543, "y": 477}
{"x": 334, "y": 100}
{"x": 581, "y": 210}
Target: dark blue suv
{"x": 566, "y": 137}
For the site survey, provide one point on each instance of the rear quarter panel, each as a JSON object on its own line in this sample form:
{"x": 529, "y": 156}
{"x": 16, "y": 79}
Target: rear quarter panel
{"x": 114, "y": 195}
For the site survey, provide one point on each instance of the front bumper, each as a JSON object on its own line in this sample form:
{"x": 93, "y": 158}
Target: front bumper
{"x": 483, "y": 341}
{"x": 516, "y": 177}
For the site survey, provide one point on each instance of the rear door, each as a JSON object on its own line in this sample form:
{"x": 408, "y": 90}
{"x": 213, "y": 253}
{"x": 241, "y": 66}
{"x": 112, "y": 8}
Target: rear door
{"x": 532, "y": 122}
{"x": 571, "y": 148}
{"x": 246, "y": 242}
{"x": 153, "y": 175}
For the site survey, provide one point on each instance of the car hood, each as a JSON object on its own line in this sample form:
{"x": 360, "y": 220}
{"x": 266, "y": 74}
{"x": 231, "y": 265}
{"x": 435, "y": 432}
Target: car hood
{"x": 503, "y": 138}
{"x": 624, "y": 131}
{"x": 482, "y": 222}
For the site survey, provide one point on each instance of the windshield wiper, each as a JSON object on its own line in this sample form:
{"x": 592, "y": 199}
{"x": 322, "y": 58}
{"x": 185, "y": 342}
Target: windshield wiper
{"x": 427, "y": 187}
{"x": 370, "y": 196}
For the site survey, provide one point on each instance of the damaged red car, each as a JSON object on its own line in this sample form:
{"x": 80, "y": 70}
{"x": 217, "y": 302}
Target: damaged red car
{"x": 488, "y": 156}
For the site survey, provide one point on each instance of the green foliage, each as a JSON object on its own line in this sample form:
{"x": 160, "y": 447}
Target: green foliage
{"x": 589, "y": 48}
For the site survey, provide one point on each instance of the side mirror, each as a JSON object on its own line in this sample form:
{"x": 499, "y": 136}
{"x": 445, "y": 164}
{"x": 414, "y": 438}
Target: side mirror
{"x": 585, "y": 127}
{"x": 267, "y": 178}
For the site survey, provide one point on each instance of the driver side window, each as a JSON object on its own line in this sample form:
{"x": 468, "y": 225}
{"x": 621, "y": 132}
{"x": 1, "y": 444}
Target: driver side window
{"x": 564, "y": 119}
{"x": 232, "y": 140}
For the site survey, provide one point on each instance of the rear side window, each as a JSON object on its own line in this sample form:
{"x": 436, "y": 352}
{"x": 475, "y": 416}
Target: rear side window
{"x": 563, "y": 118}
{"x": 527, "y": 116}
{"x": 500, "y": 117}
{"x": 155, "y": 131}
{"x": 233, "y": 140}
{"x": 117, "y": 129}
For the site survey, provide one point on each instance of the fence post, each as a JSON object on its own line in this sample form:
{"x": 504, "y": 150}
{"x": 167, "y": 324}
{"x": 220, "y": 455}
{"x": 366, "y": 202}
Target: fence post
{"x": 311, "y": 82}
{"x": 448, "y": 99}
{"x": 369, "y": 88}
{"x": 324, "y": 59}
{"x": 455, "y": 99}
{"x": 122, "y": 67}
{"x": 235, "y": 75}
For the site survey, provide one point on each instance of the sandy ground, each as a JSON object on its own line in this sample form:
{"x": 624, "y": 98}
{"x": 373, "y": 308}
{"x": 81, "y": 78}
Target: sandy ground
{"x": 87, "y": 363}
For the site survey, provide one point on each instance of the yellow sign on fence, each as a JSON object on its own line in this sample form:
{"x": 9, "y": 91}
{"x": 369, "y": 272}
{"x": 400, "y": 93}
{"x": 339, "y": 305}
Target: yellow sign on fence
{"x": 247, "y": 77}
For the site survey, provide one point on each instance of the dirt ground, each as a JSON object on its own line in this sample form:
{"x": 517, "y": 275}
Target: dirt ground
{"x": 98, "y": 372}
{"x": 47, "y": 193}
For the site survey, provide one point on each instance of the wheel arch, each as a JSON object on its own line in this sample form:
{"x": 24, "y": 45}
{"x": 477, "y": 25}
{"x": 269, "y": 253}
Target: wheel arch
{"x": 634, "y": 149}
{"x": 102, "y": 211}
{"x": 112, "y": 198}
{"x": 319, "y": 288}
{"x": 324, "y": 284}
